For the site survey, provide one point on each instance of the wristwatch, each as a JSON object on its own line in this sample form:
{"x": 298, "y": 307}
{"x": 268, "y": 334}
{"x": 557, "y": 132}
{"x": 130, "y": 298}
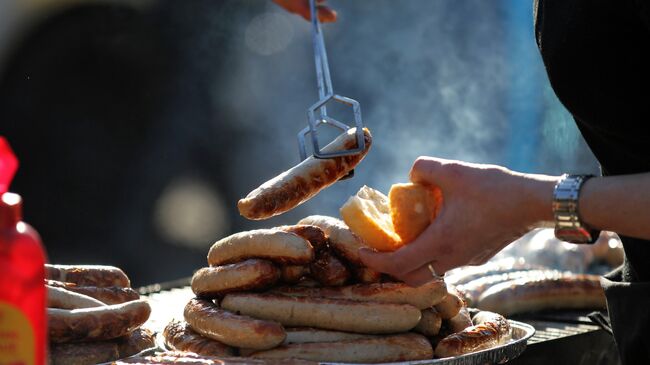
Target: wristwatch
{"x": 568, "y": 225}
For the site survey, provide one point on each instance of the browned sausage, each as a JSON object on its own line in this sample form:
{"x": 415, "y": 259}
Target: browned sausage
{"x": 65, "y": 299}
{"x": 421, "y": 297}
{"x": 88, "y": 275}
{"x": 366, "y": 275}
{"x": 98, "y": 323}
{"x": 402, "y": 347}
{"x": 107, "y": 295}
{"x": 211, "y": 282}
{"x": 291, "y": 274}
{"x": 205, "y": 318}
{"x": 491, "y": 329}
{"x": 313, "y": 234}
{"x": 300, "y": 183}
{"x": 568, "y": 291}
{"x": 344, "y": 242}
{"x": 430, "y": 322}
{"x": 449, "y": 306}
{"x": 334, "y": 314}
{"x": 328, "y": 269}
{"x": 188, "y": 358}
{"x": 179, "y": 336}
{"x": 461, "y": 321}
{"x": 271, "y": 244}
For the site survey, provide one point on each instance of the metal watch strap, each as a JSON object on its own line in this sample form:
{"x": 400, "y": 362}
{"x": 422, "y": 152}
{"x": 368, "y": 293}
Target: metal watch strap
{"x": 568, "y": 225}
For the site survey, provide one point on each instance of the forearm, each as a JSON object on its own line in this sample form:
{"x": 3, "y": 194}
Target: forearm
{"x": 614, "y": 203}
{"x": 617, "y": 203}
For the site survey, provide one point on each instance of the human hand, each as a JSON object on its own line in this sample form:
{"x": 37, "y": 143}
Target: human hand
{"x": 484, "y": 208}
{"x": 301, "y": 7}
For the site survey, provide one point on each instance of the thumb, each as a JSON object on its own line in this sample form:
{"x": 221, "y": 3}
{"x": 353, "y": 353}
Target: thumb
{"x": 433, "y": 171}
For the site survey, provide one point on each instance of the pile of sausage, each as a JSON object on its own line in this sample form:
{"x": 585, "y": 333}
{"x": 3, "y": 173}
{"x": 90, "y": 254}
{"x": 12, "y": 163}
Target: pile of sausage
{"x": 93, "y": 315}
{"x": 510, "y": 287}
{"x": 302, "y": 292}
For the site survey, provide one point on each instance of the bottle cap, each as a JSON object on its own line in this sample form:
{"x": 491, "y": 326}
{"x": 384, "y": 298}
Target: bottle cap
{"x": 11, "y": 210}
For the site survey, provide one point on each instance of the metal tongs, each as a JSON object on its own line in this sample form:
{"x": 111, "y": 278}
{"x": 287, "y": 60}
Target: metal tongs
{"x": 317, "y": 113}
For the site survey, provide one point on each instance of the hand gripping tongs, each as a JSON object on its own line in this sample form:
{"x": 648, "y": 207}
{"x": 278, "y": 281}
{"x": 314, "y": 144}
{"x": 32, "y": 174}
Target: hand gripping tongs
{"x": 317, "y": 113}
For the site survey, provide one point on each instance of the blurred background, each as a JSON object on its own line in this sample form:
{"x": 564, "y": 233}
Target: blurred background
{"x": 139, "y": 124}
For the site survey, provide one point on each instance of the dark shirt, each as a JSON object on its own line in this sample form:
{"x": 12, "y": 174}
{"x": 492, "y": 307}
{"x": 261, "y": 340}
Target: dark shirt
{"x": 597, "y": 57}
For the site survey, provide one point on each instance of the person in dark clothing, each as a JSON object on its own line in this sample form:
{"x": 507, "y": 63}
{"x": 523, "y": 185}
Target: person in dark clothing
{"x": 597, "y": 57}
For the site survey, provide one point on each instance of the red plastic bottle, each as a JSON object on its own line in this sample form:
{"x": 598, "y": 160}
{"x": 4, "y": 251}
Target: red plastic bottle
{"x": 23, "y": 320}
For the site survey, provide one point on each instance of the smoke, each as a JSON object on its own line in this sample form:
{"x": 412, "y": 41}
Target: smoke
{"x": 431, "y": 77}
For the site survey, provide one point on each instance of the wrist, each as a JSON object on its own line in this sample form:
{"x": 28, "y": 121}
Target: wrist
{"x": 539, "y": 199}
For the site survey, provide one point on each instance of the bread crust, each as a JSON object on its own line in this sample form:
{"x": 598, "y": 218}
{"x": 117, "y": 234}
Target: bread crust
{"x": 334, "y": 314}
{"x": 303, "y": 181}
{"x": 210, "y": 321}
{"x": 251, "y": 274}
{"x": 271, "y": 244}
{"x": 180, "y": 336}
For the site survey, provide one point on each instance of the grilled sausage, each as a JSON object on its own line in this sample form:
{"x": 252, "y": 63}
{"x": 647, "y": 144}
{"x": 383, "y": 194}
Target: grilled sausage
{"x": 88, "y": 275}
{"x": 344, "y": 242}
{"x": 472, "y": 290}
{"x": 334, "y": 314}
{"x": 179, "y": 336}
{"x": 430, "y": 322}
{"x": 461, "y": 321}
{"x": 188, "y": 358}
{"x": 291, "y": 274}
{"x": 366, "y": 275}
{"x": 309, "y": 335}
{"x": 211, "y": 282}
{"x": 491, "y": 329}
{"x": 107, "y": 295}
{"x": 300, "y": 183}
{"x": 65, "y": 299}
{"x": 449, "y": 306}
{"x": 95, "y": 352}
{"x": 270, "y": 244}
{"x": 210, "y": 321}
{"x": 328, "y": 269}
{"x": 97, "y": 323}
{"x": 313, "y": 234}
{"x": 568, "y": 291}
{"x": 421, "y": 297}
{"x": 402, "y": 347}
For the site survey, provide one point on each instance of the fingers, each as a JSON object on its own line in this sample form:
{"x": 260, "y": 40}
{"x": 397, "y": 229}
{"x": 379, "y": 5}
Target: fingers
{"x": 405, "y": 259}
{"x": 435, "y": 171}
{"x": 326, "y": 14}
{"x": 301, "y": 7}
{"x": 421, "y": 275}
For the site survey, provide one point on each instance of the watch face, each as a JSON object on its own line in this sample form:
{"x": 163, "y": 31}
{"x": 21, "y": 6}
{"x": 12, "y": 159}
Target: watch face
{"x": 574, "y": 235}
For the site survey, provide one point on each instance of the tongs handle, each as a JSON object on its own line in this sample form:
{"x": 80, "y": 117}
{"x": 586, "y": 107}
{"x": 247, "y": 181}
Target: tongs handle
{"x": 323, "y": 78}
{"x": 325, "y": 94}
